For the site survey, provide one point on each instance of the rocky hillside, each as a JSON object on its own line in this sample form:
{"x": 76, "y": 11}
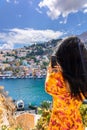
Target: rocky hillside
{"x": 45, "y": 48}
{"x": 6, "y": 111}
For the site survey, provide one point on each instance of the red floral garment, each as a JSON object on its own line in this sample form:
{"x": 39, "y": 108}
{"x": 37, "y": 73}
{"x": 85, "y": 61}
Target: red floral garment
{"x": 65, "y": 112}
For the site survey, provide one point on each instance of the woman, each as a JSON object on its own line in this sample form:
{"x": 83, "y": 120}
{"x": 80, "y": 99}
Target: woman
{"x": 66, "y": 81}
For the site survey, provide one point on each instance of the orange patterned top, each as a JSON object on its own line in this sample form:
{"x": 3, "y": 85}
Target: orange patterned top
{"x": 65, "y": 112}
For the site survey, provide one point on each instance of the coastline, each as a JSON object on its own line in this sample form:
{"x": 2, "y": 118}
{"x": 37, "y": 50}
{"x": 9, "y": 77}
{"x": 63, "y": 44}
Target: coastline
{"x": 23, "y": 77}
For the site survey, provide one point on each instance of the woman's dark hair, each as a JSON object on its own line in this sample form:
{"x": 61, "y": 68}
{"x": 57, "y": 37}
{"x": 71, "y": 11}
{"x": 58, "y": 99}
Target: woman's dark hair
{"x": 72, "y": 57}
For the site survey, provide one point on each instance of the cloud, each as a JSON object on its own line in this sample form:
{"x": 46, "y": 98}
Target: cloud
{"x": 14, "y": 1}
{"x": 64, "y": 21}
{"x": 79, "y": 24}
{"x": 6, "y": 46}
{"x": 85, "y": 11}
{"x": 38, "y": 10}
{"x": 26, "y": 36}
{"x": 61, "y": 22}
{"x": 8, "y": 1}
{"x": 63, "y": 8}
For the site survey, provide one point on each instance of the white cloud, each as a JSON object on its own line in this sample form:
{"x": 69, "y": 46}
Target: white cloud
{"x": 79, "y": 24}
{"x": 14, "y": 1}
{"x": 61, "y": 22}
{"x": 63, "y": 7}
{"x": 26, "y": 36}
{"x": 6, "y": 46}
{"x": 38, "y": 10}
{"x": 85, "y": 11}
{"x": 8, "y": 1}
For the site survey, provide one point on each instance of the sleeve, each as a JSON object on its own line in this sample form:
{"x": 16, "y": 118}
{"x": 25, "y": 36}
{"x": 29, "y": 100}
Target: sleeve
{"x": 53, "y": 83}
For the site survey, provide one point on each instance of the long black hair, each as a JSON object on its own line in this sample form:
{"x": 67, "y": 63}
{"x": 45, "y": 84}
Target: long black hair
{"x": 71, "y": 54}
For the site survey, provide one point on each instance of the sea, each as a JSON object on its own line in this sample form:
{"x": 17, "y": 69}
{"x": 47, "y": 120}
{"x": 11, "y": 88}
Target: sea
{"x": 31, "y": 91}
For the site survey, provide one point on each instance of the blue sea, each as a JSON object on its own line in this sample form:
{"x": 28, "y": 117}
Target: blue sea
{"x": 29, "y": 90}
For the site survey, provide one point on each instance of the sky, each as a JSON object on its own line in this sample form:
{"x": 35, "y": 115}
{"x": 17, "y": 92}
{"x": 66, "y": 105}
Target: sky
{"x": 25, "y": 22}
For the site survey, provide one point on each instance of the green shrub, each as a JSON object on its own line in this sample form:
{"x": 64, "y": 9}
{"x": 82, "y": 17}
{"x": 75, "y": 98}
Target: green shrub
{"x": 46, "y": 105}
{"x": 43, "y": 122}
{"x": 4, "y": 127}
{"x": 45, "y": 111}
{"x": 83, "y": 112}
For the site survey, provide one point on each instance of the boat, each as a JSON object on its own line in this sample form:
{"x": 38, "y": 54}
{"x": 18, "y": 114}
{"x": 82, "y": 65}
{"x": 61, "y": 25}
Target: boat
{"x": 39, "y": 76}
{"x": 20, "y": 105}
{"x": 32, "y": 106}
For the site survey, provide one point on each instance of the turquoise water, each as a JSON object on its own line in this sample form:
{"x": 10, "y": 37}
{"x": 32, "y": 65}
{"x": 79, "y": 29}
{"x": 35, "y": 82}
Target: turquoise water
{"x": 29, "y": 90}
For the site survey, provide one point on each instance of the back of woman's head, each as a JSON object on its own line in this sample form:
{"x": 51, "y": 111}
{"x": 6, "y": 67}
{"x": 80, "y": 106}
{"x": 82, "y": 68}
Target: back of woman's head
{"x": 72, "y": 57}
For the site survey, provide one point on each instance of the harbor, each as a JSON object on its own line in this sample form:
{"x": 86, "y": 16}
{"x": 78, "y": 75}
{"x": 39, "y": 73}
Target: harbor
{"x": 31, "y": 91}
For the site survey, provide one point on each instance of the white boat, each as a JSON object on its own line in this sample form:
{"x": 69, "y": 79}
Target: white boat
{"x": 20, "y": 105}
{"x": 39, "y": 76}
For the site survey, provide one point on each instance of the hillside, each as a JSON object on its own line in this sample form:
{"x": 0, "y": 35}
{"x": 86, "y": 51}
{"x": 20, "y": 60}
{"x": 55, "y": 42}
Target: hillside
{"x": 83, "y": 36}
{"x": 6, "y": 111}
{"x": 45, "y": 48}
